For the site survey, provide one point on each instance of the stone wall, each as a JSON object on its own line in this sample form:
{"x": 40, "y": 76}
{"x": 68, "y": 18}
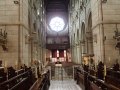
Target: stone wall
{"x": 8, "y": 19}
{"x": 105, "y": 20}
{"x": 18, "y": 19}
{"x": 111, "y": 18}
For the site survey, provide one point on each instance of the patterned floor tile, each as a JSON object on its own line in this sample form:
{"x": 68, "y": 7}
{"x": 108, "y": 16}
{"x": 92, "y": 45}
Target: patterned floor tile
{"x": 64, "y": 85}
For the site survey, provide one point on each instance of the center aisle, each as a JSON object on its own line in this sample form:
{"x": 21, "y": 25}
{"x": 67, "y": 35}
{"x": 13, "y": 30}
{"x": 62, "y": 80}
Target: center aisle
{"x": 64, "y": 85}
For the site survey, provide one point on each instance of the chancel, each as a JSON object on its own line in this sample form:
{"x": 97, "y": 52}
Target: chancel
{"x": 59, "y": 44}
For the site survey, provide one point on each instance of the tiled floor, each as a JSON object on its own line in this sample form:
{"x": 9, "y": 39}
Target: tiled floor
{"x": 64, "y": 85}
{"x": 61, "y": 73}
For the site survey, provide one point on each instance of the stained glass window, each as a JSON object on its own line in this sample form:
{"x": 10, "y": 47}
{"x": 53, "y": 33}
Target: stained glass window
{"x": 57, "y": 24}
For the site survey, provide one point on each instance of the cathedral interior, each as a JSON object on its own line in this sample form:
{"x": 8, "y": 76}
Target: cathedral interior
{"x": 59, "y": 44}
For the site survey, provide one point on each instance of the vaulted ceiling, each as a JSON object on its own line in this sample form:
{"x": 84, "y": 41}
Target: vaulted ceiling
{"x": 58, "y": 5}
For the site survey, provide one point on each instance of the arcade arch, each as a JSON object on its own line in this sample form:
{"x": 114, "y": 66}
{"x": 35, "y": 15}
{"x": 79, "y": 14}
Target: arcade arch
{"x": 89, "y": 36}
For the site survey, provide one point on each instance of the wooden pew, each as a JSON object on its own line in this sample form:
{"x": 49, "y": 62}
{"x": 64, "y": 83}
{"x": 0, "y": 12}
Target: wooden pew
{"x": 102, "y": 85}
{"x": 36, "y": 85}
{"x": 113, "y": 78}
{"x": 19, "y": 71}
{"x": 92, "y": 72}
{"x": 3, "y": 75}
{"x": 79, "y": 77}
{"x": 93, "y": 86}
{"x": 42, "y": 83}
{"x": 91, "y": 82}
{"x": 16, "y": 84}
{"x": 113, "y": 81}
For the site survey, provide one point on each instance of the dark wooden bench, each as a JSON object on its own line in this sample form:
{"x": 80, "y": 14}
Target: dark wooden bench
{"x": 113, "y": 78}
{"x": 22, "y": 81}
{"x": 42, "y": 83}
{"x": 93, "y": 86}
{"x": 91, "y": 82}
{"x": 113, "y": 81}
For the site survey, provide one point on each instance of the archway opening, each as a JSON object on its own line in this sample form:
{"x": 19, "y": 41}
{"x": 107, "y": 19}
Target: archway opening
{"x": 89, "y": 35}
{"x": 83, "y": 51}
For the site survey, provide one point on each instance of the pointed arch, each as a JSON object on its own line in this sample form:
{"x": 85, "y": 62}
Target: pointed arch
{"x": 83, "y": 39}
{"x": 89, "y": 35}
{"x": 83, "y": 32}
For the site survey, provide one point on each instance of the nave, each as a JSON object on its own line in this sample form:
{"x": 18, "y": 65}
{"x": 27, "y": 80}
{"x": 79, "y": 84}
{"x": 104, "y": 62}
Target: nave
{"x": 59, "y": 44}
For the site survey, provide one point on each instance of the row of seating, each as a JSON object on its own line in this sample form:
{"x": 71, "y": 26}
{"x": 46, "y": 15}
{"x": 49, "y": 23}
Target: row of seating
{"x": 42, "y": 83}
{"x": 91, "y": 82}
{"x": 18, "y": 80}
{"x": 10, "y": 72}
{"x": 113, "y": 77}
